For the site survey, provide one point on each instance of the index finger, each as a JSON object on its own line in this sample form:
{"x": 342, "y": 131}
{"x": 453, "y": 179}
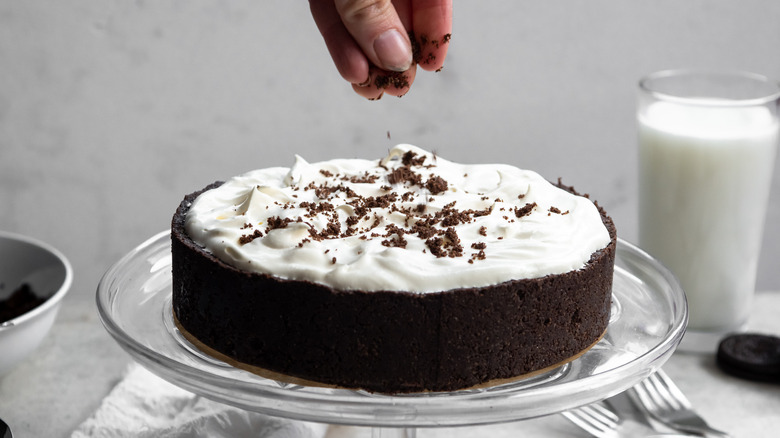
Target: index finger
{"x": 432, "y": 26}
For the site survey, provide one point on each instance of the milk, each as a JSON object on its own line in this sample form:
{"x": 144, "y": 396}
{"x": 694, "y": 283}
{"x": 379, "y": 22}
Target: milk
{"x": 704, "y": 179}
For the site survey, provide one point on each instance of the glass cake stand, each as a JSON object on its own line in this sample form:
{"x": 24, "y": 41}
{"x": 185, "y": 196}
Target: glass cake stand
{"x": 649, "y": 315}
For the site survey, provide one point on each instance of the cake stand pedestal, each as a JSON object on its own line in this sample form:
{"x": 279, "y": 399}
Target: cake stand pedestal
{"x": 648, "y": 319}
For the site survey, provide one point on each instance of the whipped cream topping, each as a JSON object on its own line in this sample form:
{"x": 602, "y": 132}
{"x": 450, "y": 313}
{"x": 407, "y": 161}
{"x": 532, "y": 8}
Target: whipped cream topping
{"x": 411, "y": 221}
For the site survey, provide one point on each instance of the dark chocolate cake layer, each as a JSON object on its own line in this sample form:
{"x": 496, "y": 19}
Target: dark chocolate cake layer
{"x": 389, "y": 341}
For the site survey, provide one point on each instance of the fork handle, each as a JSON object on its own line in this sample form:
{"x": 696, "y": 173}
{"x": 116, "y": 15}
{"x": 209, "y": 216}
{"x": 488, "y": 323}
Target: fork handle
{"x": 698, "y": 427}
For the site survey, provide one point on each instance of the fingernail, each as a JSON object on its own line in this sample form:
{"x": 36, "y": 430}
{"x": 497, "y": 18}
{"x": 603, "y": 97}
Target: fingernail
{"x": 393, "y": 51}
{"x": 365, "y": 83}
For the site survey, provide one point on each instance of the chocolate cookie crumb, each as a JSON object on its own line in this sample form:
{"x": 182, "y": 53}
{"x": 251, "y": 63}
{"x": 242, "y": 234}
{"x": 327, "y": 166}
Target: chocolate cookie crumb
{"x": 416, "y": 46}
{"x": 275, "y": 222}
{"x": 404, "y": 174}
{"x": 525, "y": 210}
{"x": 435, "y": 245}
{"x": 411, "y": 159}
{"x": 436, "y": 185}
{"x": 391, "y": 79}
{"x": 246, "y": 238}
{"x": 21, "y": 301}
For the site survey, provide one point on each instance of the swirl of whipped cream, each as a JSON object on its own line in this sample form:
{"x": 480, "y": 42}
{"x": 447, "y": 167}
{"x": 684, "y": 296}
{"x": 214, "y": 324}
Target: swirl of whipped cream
{"x": 411, "y": 221}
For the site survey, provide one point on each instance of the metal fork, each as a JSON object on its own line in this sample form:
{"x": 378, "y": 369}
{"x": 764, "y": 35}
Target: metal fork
{"x": 613, "y": 418}
{"x": 664, "y": 401}
{"x": 596, "y": 419}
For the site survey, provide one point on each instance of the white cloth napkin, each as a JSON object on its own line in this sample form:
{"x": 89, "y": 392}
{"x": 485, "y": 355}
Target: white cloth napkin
{"x": 143, "y": 405}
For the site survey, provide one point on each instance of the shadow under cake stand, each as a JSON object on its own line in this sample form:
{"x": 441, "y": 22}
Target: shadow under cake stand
{"x": 649, "y": 315}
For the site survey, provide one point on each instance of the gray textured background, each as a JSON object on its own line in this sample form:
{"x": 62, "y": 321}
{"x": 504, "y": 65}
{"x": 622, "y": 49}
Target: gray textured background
{"x": 110, "y": 111}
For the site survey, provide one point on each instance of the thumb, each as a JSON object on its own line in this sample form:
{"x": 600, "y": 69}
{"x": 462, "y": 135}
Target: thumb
{"x": 376, "y": 27}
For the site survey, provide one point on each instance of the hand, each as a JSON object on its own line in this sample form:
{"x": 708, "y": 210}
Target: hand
{"x": 378, "y": 44}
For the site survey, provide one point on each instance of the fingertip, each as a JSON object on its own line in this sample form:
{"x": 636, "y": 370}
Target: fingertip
{"x": 432, "y": 52}
{"x": 433, "y": 28}
{"x": 396, "y": 83}
{"x": 383, "y": 82}
{"x": 368, "y": 92}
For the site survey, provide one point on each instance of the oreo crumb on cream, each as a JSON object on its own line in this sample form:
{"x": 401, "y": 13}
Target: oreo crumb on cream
{"x": 406, "y": 221}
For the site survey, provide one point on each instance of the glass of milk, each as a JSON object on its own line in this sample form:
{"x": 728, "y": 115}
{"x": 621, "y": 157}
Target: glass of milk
{"x": 707, "y": 146}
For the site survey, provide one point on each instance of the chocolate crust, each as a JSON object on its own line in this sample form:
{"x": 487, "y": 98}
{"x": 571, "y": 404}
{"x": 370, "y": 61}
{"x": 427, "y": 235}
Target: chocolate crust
{"x": 389, "y": 341}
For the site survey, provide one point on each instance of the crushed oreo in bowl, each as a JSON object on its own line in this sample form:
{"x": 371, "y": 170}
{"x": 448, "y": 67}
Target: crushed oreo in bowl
{"x": 21, "y": 301}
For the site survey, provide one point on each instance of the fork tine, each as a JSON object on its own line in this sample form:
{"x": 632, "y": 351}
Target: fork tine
{"x": 596, "y": 419}
{"x": 604, "y": 413}
{"x": 666, "y": 402}
{"x": 666, "y": 386}
{"x": 660, "y": 393}
{"x": 585, "y": 422}
{"x": 640, "y": 390}
{"x": 653, "y": 397}
{"x": 656, "y": 394}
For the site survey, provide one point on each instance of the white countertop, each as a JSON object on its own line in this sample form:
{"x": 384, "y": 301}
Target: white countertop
{"x": 67, "y": 377}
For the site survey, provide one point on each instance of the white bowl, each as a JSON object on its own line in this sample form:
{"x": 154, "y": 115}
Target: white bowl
{"x": 49, "y": 274}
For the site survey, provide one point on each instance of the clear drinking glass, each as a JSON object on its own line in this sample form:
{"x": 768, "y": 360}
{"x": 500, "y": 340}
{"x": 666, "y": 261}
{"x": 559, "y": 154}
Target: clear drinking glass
{"x": 707, "y": 146}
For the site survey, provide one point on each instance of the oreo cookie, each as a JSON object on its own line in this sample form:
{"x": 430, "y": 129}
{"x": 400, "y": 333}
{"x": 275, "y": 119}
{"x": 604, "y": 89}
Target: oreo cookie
{"x": 750, "y": 356}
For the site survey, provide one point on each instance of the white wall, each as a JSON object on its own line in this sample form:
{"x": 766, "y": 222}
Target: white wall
{"x": 110, "y": 111}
